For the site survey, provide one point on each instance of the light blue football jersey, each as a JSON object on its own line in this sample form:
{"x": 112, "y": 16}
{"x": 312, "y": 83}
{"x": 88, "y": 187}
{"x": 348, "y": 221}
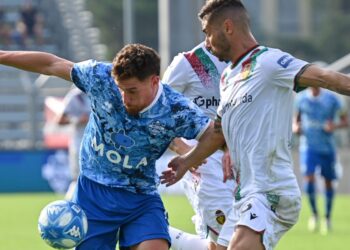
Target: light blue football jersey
{"x": 315, "y": 112}
{"x": 120, "y": 150}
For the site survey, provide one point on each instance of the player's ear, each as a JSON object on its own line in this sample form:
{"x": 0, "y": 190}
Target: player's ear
{"x": 228, "y": 26}
{"x": 154, "y": 79}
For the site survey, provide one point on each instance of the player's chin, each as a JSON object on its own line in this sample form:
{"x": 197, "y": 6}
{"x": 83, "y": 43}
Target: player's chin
{"x": 132, "y": 111}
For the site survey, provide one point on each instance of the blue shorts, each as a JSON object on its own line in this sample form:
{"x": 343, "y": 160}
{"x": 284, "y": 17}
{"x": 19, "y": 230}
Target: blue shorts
{"x": 310, "y": 160}
{"x": 116, "y": 215}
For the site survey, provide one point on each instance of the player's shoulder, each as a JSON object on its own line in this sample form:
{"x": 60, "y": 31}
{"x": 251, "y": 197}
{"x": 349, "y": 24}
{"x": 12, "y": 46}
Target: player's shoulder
{"x": 97, "y": 67}
{"x": 174, "y": 97}
{"x": 273, "y": 57}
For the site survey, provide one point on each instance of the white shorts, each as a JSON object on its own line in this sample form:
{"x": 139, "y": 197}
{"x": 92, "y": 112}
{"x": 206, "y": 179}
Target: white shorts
{"x": 211, "y": 199}
{"x": 270, "y": 215}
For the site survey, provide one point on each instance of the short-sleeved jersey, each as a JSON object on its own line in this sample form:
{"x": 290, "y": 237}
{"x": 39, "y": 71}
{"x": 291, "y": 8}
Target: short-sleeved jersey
{"x": 120, "y": 150}
{"x": 315, "y": 112}
{"x": 256, "y": 110}
{"x": 196, "y": 74}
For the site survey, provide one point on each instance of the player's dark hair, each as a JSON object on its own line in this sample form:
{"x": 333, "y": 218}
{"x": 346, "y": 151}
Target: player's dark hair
{"x": 213, "y": 9}
{"x": 135, "y": 60}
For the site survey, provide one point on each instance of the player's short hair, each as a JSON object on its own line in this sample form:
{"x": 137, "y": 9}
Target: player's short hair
{"x": 135, "y": 60}
{"x": 213, "y": 9}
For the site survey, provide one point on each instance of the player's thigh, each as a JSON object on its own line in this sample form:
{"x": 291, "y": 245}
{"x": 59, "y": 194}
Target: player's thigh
{"x": 151, "y": 245}
{"x": 328, "y": 166}
{"x": 308, "y": 162}
{"x": 150, "y": 228}
{"x": 101, "y": 237}
{"x": 246, "y": 239}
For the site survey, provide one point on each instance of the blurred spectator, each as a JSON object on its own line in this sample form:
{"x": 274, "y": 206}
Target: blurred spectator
{"x": 29, "y": 16}
{"x": 19, "y": 34}
{"x": 5, "y": 29}
{"x": 39, "y": 29}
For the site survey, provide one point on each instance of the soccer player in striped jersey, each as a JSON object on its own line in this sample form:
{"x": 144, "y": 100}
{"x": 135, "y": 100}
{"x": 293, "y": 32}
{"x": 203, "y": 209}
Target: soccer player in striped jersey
{"x": 196, "y": 74}
{"x": 255, "y": 116}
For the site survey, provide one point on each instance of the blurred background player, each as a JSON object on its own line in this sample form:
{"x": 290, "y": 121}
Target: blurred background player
{"x": 318, "y": 111}
{"x": 196, "y": 74}
{"x": 76, "y": 112}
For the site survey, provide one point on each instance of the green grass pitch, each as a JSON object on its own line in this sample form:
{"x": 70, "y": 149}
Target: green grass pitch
{"x": 19, "y": 215}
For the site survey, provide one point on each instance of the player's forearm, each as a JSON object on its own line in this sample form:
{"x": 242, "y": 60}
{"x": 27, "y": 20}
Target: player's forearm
{"x": 38, "y": 62}
{"x": 318, "y": 77}
{"x": 210, "y": 141}
{"x": 179, "y": 146}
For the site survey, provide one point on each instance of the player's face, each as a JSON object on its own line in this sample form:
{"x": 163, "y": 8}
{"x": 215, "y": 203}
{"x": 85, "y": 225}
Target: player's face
{"x": 216, "y": 41}
{"x": 136, "y": 94}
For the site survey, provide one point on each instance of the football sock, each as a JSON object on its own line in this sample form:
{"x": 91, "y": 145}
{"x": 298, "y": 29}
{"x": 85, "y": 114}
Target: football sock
{"x": 181, "y": 240}
{"x": 310, "y": 190}
{"x": 329, "y": 193}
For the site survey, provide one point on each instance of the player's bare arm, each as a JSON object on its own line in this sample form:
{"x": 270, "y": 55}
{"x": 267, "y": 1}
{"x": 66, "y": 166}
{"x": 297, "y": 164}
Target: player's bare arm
{"x": 211, "y": 140}
{"x": 38, "y": 62}
{"x": 314, "y": 76}
{"x": 179, "y": 146}
{"x": 296, "y": 128}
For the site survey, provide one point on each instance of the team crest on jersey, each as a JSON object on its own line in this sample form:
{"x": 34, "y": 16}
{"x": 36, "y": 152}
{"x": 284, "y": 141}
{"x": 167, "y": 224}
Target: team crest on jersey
{"x": 220, "y": 217}
{"x": 156, "y": 128}
{"x": 223, "y": 80}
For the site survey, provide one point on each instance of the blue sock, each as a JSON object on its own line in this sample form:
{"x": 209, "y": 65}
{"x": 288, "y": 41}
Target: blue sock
{"x": 310, "y": 190}
{"x": 329, "y": 201}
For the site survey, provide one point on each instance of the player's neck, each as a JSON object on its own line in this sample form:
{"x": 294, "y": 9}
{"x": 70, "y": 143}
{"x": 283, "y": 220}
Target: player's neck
{"x": 247, "y": 44}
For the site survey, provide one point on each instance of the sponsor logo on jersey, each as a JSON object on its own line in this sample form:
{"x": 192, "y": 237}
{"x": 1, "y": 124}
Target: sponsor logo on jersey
{"x": 115, "y": 157}
{"x": 238, "y": 100}
{"x": 200, "y": 101}
{"x": 220, "y": 217}
{"x": 285, "y": 60}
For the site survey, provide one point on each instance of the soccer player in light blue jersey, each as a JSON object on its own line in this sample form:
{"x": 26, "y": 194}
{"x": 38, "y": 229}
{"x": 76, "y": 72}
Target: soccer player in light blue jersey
{"x": 317, "y": 112}
{"x": 133, "y": 120}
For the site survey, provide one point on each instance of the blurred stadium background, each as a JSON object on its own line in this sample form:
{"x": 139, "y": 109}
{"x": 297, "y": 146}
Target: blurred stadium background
{"x": 33, "y": 149}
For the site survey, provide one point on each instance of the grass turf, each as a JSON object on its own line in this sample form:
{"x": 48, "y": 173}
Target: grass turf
{"x": 19, "y": 215}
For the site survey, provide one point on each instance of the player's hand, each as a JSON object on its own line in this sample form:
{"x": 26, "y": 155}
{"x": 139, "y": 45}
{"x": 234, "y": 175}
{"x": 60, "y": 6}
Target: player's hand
{"x": 296, "y": 128}
{"x": 176, "y": 170}
{"x": 329, "y": 127}
{"x": 227, "y": 166}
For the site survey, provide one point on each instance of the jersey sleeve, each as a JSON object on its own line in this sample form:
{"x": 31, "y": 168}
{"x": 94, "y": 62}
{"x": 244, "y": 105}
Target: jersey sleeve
{"x": 85, "y": 75}
{"x": 176, "y": 75}
{"x": 190, "y": 121}
{"x": 283, "y": 68}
